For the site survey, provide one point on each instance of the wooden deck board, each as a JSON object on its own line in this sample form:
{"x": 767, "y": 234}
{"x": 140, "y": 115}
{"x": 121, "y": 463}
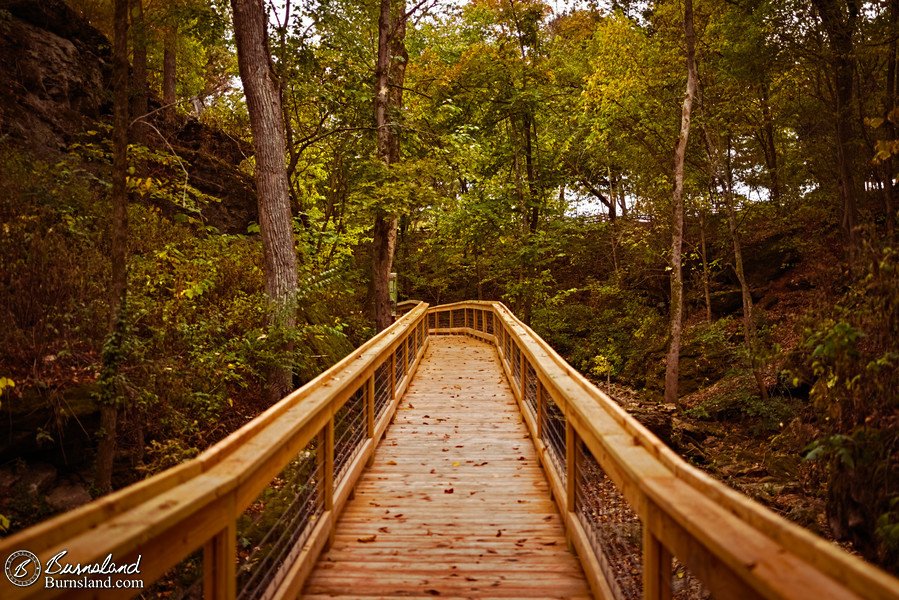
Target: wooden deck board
{"x": 455, "y": 503}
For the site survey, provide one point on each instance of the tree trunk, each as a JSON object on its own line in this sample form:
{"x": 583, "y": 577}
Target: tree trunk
{"x": 264, "y": 106}
{"x": 725, "y": 179}
{"x": 169, "y": 64}
{"x": 770, "y": 148}
{"x": 839, "y": 29}
{"x": 677, "y": 234}
{"x": 139, "y": 74}
{"x": 118, "y": 286}
{"x": 889, "y": 105}
{"x": 390, "y": 74}
{"x": 705, "y": 268}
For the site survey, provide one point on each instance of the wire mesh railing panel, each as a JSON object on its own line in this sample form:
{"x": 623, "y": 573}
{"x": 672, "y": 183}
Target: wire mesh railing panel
{"x": 411, "y": 349}
{"x": 553, "y": 433}
{"x": 272, "y": 530}
{"x": 459, "y": 317}
{"x": 432, "y": 320}
{"x": 480, "y": 320}
{"x": 350, "y": 429}
{"x": 488, "y": 322}
{"x": 382, "y": 388}
{"x": 184, "y": 581}
{"x": 530, "y": 390}
{"x": 443, "y": 320}
{"x": 613, "y": 529}
{"x": 507, "y": 349}
{"x": 469, "y": 318}
{"x": 516, "y": 364}
{"x": 400, "y": 363}
{"x": 500, "y": 341}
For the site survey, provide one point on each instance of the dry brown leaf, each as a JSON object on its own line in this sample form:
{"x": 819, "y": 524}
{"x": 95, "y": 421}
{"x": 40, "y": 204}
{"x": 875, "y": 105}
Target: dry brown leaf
{"x": 367, "y": 539}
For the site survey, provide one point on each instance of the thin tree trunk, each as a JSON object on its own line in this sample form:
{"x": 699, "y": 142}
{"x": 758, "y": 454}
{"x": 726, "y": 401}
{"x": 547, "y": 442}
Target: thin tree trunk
{"x": 672, "y": 368}
{"x": 389, "y": 78}
{"x": 770, "y": 149}
{"x": 139, "y": 91}
{"x": 705, "y": 268}
{"x": 118, "y": 287}
{"x": 723, "y": 174}
{"x": 266, "y": 121}
{"x": 169, "y": 68}
{"x": 839, "y": 29}
{"x": 890, "y": 104}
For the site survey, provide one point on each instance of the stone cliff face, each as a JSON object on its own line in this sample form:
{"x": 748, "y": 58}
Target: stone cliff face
{"x": 55, "y": 72}
{"x": 53, "y": 76}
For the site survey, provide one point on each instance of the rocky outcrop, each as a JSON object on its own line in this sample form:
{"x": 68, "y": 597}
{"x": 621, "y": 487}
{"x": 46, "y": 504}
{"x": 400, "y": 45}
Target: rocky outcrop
{"x": 53, "y": 76}
{"x": 55, "y": 84}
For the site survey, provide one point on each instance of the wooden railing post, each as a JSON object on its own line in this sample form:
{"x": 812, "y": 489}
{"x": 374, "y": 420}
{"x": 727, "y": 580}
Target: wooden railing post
{"x": 328, "y": 478}
{"x": 540, "y": 400}
{"x": 656, "y": 567}
{"x": 370, "y": 403}
{"x": 522, "y": 368}
{"x": 393, "y": 375}
{"x": 571, "y": 475}
{"x": 219, "y": 562}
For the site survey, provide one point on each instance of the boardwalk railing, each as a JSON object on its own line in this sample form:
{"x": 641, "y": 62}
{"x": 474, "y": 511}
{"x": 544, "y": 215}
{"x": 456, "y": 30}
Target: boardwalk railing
{"x": 248, "y": 517}
{"x": 643, "y": 522}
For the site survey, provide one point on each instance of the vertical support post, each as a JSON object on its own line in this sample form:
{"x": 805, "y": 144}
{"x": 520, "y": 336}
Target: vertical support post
{"x": 451, "y": 319}
{"x": 656, "y": 567}
{"x": 328, "y": 478}
{"x": 219, "y": 562}
{"x": 571, "y": 474}
{"x": 393, "y": 375}
{"x": 370, "y": 404}
{"x": 522, "y": 368}
{"x": 540, "y": 391}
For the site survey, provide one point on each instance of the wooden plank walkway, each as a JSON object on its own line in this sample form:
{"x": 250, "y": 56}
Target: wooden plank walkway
{"x": 456, "y": 504}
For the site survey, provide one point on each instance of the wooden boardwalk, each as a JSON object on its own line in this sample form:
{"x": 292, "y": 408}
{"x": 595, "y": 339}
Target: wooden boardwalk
{"x": 455, "y": 504}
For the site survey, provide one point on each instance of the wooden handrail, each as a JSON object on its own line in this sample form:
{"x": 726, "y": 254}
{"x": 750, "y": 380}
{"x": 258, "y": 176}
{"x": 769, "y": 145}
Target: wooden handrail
{"x": 195, "y": 505}
{"x": 736, "y": 547}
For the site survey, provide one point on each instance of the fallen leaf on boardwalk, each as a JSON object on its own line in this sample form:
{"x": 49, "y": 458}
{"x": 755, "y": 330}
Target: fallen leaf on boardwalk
{"x": 426, "y": 417}
{"x": 397, "y": 515}
{"x": 499, "y": 533}
{"x": 470, "y": 579}
{"x": 445, "y": 450}
{"x": 522, "y": 501}
{"x": 448, "y": 491}
{"x": 383, "y": 530}
{"x": 552, "y": 543}
{"x": 391, "y": 462}
{"x": 367, "y": 539}
{"x": 492, "y": 551}
{"x": 433, "y": 592}
{"x": 460, "y": 446}
{"x": 548, "y": 518}
{"x": 521, "y": 542}
{"x": 456, "y": 464}
{"x": 521, "y": 458}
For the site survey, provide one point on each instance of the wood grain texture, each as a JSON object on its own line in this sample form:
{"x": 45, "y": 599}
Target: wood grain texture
{"x": 455, "y": 503}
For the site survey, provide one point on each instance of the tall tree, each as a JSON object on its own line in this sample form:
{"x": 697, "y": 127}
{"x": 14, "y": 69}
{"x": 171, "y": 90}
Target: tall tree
{"x": 139, "y": 72}
{"x": 263, "y": 95}
{"x": 677, "y": 219}
{"x": 390, "y": 72}
{"x": 839, "y": 27}
{"x": 118, "y": 286}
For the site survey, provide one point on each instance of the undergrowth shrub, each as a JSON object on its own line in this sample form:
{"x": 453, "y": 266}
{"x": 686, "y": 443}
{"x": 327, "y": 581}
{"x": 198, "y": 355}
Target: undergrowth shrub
{"x": 198, "y": 343}
{"x": 850, "y": 359}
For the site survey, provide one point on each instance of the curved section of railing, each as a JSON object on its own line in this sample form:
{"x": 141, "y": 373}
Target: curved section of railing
{"x": 248, "y": 517}
{"x": 644, "y": 522}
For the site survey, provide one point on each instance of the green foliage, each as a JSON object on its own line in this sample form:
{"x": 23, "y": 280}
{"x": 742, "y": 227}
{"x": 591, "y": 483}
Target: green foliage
{"x": 848, "y": 358}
